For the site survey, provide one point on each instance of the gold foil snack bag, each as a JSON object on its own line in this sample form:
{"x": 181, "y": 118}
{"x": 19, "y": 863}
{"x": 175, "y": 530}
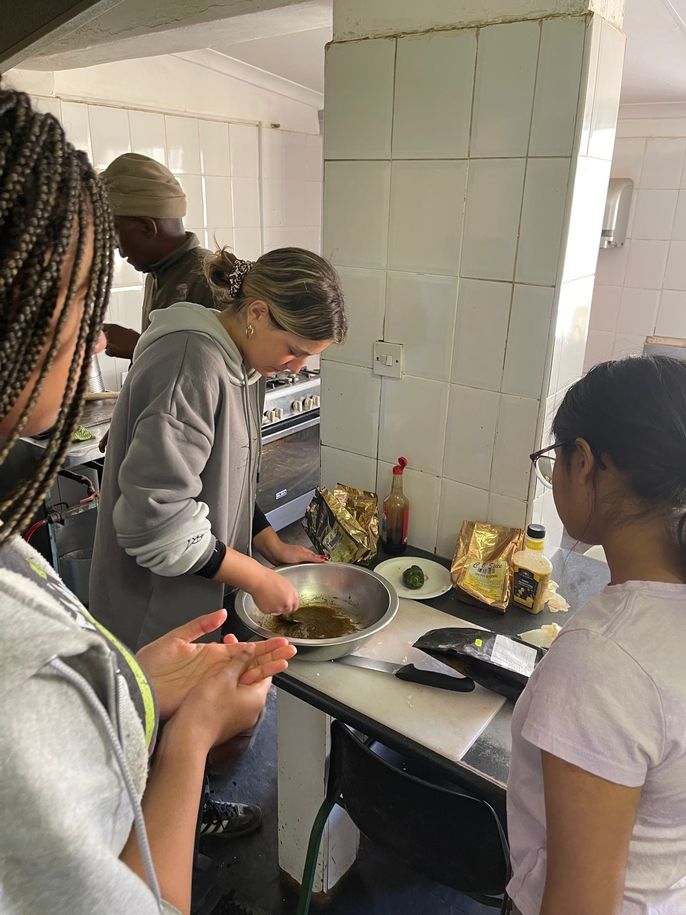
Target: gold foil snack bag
{"x": 343, "y": 525}
{"x": 482, "y": 565}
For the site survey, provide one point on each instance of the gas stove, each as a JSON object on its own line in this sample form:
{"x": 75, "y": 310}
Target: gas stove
{"x": 289, "y": 470}
{"x": 291, "y": 396}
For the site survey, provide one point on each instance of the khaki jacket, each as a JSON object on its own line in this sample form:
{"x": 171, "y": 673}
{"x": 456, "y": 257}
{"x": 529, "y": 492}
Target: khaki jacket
{"x": 178, "y": 277}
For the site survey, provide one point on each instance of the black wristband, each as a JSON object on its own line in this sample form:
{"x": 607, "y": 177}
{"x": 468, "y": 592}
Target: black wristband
{"x": 259, "y": 522}
{"x": 211, "y": 567}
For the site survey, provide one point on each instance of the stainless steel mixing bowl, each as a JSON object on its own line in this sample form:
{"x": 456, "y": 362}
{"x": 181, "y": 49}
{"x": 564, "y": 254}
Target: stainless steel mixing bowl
{"x": 364, "y": 595}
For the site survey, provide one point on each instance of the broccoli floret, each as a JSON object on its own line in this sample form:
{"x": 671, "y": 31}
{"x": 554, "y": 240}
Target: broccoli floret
{"x": 413, "y": 578}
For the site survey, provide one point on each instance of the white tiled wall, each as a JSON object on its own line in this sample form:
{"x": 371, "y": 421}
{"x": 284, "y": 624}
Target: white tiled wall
{"x": 640, "y": 289}
{"x": 292, "y": 174}
{"x": 250, "y": 188}
{"x": 504, "y": 89}
{"x": 433, "y": 95}
{"x": 450, "y": 195}
{"x": 586, "y": 192}
{"x": 359, "y": 90}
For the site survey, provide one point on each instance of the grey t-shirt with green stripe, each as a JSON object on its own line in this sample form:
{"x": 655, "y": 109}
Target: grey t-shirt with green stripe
{"x": 66, "y": 814}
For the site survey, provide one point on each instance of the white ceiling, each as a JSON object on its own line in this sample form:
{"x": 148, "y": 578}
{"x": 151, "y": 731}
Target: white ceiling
{"x": 298, "y": 56}
{"x": 655, "y": 63}
{"x": 149, "y": 28}
{"x": 289, "y": 40}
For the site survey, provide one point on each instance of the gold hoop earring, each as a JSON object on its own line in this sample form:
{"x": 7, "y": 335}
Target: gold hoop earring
{"x": 249, "y": 331}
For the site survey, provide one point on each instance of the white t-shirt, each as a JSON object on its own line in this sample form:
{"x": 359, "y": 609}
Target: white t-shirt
{"x": 610, "y": 697}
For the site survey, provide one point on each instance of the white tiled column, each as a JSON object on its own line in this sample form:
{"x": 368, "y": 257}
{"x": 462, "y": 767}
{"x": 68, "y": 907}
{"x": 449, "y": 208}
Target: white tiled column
{"x": 303, "y": 749}
{"x": 465, "y": 180}
{"x": 590, "y": 173}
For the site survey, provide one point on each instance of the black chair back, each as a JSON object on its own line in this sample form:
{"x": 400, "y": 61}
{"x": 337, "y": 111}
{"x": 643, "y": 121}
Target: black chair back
{"x": 452, "y": 838}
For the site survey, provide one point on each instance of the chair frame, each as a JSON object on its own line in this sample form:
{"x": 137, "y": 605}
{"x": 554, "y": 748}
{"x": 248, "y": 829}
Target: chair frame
{"x": 333, "y": 797}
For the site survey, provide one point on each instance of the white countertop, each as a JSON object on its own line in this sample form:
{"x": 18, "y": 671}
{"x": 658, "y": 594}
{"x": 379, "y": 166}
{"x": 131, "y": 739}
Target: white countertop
{"x": 445, "y": 722}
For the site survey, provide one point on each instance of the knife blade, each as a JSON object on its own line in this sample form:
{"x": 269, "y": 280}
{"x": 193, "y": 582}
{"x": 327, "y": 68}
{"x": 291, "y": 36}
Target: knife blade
{"x": 411, "y": 673}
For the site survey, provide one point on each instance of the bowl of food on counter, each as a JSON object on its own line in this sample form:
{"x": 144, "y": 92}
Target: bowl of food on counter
{"x": 341, "y": 607}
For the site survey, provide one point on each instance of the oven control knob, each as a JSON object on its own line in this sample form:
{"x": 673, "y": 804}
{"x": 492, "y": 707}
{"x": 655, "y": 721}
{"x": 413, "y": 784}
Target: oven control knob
{"x": 308, "y": 403}
{"x": 296, "y": 406}
{"x": 315, "y": 400}
{"x": 270, "y": 416}
{"x": 265, "y": 419}
{"x": 278, "y": 413}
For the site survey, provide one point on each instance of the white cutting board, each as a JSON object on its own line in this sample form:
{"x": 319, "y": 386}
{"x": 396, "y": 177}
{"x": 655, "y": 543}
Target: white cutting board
{"x": 446, "y": 722}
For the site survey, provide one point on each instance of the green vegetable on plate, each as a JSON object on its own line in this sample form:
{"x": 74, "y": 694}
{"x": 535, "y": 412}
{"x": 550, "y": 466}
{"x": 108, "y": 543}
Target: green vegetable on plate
{"x": 81, "y": 434}
{"x": 413, "y": 578}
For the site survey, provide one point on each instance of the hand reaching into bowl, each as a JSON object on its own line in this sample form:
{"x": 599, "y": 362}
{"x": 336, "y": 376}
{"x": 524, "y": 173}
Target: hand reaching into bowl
{"x": 271, "y": 592}
{"x": 274, "y": 594}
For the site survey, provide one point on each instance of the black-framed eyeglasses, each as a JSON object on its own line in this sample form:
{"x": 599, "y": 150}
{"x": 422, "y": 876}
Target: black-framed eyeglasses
{"x": 544, "y": 463}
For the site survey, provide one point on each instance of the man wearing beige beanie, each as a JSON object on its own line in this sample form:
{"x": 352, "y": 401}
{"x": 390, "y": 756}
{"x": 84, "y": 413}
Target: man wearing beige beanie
{"x": 149, "y": 204}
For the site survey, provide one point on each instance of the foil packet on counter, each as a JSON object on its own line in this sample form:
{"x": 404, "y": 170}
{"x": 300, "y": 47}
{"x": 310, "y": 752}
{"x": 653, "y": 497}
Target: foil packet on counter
{"x": 482, "y": 565}
{"x": 343, "y": 525}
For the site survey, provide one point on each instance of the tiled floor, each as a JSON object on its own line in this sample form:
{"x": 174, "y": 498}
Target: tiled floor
{"x": 376, "y": 885}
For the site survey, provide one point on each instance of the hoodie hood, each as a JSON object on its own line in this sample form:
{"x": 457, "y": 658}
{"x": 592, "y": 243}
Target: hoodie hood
{"x": 185, "y": 317}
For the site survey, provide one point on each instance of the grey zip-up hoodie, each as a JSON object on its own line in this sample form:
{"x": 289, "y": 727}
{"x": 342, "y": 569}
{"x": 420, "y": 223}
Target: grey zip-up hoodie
{"x": 180, "y": 473}
{"x": 73, "y": 757}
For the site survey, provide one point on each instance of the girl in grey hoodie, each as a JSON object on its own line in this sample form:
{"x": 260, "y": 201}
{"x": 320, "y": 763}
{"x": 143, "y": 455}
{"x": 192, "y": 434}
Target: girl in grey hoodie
{"x": 86, "y": 830}
{"x": 175, "y": 524}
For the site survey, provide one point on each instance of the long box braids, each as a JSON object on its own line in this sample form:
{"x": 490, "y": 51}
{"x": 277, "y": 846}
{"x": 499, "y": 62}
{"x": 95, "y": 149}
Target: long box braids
{"x": 48, "y": 191}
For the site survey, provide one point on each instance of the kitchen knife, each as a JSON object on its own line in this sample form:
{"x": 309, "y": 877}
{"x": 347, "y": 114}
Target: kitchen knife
{"x": 411, "y": 673}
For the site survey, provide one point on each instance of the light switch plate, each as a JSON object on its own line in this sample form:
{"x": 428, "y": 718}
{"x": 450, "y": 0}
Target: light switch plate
{"x": 388, "y": 359}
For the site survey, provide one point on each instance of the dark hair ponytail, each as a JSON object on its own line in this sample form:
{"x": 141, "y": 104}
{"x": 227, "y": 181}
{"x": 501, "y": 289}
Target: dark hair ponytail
{"x": 634, "y": 412}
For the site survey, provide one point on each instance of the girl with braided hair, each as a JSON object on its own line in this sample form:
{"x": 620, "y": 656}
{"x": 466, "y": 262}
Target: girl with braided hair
{"x": 81, "y": 831}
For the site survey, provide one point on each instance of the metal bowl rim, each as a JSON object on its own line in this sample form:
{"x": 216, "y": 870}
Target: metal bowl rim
{"x": 393, "y": 604}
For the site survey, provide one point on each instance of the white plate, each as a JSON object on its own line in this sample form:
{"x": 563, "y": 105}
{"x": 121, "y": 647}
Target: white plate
{"x": 437, "y": 577}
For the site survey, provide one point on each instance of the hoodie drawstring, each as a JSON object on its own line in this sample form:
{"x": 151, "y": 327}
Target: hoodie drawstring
{"x": 251, "y": 495}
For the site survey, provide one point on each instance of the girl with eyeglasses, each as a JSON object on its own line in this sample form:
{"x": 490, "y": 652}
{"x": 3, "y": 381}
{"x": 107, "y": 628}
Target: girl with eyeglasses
{"x": 597, "y": 789}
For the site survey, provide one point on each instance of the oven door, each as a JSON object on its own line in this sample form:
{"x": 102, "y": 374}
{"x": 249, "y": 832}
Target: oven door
{"x": 289, "y": 471}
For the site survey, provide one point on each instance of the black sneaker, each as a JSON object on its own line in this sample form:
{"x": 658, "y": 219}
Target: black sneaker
{"x": 226, "y": 820}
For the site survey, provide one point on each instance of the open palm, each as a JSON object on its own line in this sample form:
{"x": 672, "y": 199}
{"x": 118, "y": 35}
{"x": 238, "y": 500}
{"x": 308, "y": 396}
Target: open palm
{"x": 175, "y": 663}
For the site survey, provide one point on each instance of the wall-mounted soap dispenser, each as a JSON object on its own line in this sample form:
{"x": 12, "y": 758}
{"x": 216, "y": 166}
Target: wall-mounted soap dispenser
{"x": 617, "y": 208}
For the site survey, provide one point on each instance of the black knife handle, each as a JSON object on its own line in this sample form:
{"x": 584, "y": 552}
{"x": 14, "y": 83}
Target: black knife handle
{"x": 430, "y": 678}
